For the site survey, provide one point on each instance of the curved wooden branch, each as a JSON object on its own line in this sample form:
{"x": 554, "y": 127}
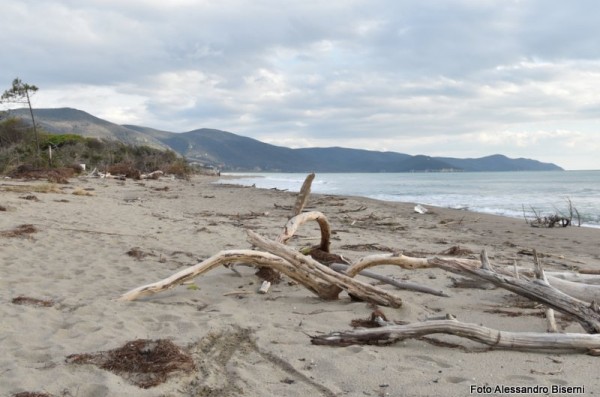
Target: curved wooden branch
{"x": 322, "y": 289}
{"x": 361, "y": 290}
{"x": 405, "y": 262}
{"x": 496, "y": 339}
{"x": 293, "y": 224}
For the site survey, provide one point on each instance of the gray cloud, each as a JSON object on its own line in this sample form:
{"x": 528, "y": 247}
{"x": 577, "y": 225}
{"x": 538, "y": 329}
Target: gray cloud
{"x": 459, "y": 77}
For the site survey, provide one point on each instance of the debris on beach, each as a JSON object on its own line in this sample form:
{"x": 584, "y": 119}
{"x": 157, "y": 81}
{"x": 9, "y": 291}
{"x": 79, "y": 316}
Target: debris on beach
{"x": 143, "y": 362}
{"x": 571, "y": 298}
{"x": 25, "y": 300}
{"x": 420, "y": 209}
{"x": 21, "y": 230}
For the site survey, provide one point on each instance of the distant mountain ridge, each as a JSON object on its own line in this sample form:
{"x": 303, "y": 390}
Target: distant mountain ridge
{"x": 231, "y": 152}
{"x": 73, "y": 121}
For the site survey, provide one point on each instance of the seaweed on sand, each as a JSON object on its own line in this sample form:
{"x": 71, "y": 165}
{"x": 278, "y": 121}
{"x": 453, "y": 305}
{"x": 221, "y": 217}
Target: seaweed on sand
{"x": 143, "y": 362}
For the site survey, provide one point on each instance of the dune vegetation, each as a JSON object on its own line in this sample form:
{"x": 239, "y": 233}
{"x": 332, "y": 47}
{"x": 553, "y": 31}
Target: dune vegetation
{"x": 63, "y": 154}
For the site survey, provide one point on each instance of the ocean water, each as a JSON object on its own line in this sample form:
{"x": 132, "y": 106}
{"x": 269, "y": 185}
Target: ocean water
{"x": 499, "y": 193}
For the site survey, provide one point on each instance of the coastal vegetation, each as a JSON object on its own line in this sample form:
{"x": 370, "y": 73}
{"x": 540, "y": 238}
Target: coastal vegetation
{"x": 28, "y": 151}
{"x": 66, "y": 154}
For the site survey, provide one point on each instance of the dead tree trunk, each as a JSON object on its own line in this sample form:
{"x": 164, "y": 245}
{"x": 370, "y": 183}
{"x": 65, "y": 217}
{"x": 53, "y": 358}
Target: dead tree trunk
{"x": 496, "y": 339}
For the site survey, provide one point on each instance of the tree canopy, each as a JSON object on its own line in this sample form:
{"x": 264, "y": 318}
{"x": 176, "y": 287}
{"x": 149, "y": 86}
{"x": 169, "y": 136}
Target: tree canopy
{"x": 21, "y": 93}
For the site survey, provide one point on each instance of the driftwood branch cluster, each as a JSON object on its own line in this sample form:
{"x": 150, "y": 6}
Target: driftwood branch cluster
{"x": 574, "y": 295}
{"x": 558, "y": 219}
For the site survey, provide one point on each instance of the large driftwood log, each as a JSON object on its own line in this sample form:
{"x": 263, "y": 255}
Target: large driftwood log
{"x": 528, "y": 341}
{"x": 314, "y": 284}
{"x": 319, "y": 279}
{"x": 587, "y": 315}
{"x": 359, "y": 289}
{"x": 584, "y": 287}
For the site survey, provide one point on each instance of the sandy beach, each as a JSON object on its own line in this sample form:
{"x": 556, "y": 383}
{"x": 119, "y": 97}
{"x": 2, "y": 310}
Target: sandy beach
{"x": 61, "y": 275}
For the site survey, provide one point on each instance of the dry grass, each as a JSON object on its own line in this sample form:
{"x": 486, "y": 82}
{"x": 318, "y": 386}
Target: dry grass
{"x": 54, "y": 175}
{"x": 42, "y": 188}
{"x": 79, "y": 191}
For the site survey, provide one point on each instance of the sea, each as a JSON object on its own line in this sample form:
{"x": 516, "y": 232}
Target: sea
{"x": 511, "y": 194}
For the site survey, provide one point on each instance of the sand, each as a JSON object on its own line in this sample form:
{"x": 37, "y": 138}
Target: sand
{"x": 82, "y": 251}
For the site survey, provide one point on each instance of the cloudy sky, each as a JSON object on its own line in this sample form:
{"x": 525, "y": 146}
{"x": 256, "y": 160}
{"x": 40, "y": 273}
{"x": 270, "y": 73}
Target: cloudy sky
{"x": 460, "y": 78}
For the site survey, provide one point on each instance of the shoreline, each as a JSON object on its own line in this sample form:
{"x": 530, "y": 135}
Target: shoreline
{"x": 87, "y": 250}
{"x": 497, "y": 211}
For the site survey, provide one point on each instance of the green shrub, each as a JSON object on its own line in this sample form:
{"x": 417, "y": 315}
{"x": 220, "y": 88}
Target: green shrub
{"x": 59, "y": 140}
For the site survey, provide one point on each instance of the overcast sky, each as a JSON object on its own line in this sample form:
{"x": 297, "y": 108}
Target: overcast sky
{"x": 460, "y": 78}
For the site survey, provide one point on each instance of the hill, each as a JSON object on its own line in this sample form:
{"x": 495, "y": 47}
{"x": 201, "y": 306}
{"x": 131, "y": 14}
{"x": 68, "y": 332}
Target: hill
{"x": 73, "y": 121}
{"x": 231, "y": 152}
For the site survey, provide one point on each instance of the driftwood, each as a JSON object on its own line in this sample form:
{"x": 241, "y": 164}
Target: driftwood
{"x": 496, "y": 339}
{"x": 405, "y": 262}
{"x": 578, "y": 290}
{"x": 247, "y": 256}
{"x": 152, "y": 175}
{"x": 540, "y": 275}
{"x": 585, "y": 287}
{"x": 570, "y": 293}
{"x": 294, "y": 223}
{"x": 404, "y": 285}
{"x": 271, "y": 275}
{"x": 327, "y": 284}
{"x": 302, "y": 197}
{"x": 580, "y": 277}
{"x": 354, "y": 287}
{"x": 321, "y": 280}
{"x": 587, "y": 315}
